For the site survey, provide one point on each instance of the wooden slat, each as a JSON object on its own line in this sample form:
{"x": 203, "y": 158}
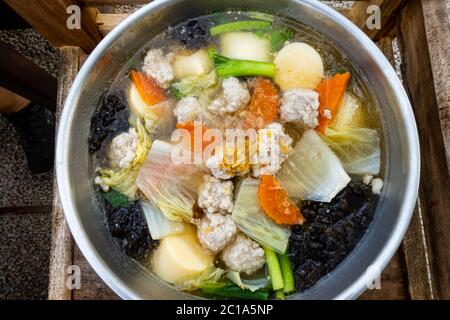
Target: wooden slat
{"x": 389, "y": 10}
{"x": 437, "y": 29}
{"x": 414, "y": 247}
{"x": 358, "y": 12}
{"x": 416, "y": 252}
{"x": 417, "y": 28}
{"x": 42, "y": 209}
{"x": 393, "y": 286}
{"x": 21, "y": 76}
{"x": 61, "y": 250}
{"x": 108, "y": 21}
{"x": 92, "y": 287}
{"x": 50, "y": 17}
{"x": 112, "y": 2}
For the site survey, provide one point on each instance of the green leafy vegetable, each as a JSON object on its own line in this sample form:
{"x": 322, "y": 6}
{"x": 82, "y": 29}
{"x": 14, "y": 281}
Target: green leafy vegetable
{"x": 274, "y": 269}
{"x": 158, "y": 225}
{"x": 209, "y": 276}
{"x": 194, "y": 85}
{"x": 288, "y": 275}
{"x": 312, "y": 172}
{"x": 252, "y": 221}
{"x": 357, "y": 148}
{"x": 248, "y": 25}
{"x": 278, "y": 37}
{"x": 116, "y": 199}
{"x": 228, "y": 290}
{"x": 226, "y": 67}
{"x": 252, "y": 285}
{"x": 169, "y": 185}
{"x": 124, "y": 180}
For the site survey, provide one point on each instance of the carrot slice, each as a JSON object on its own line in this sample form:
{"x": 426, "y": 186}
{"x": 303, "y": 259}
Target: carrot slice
{"x": 148, "y": 88}
{"x": 275, "y": 202}
{"x": 331, "y": 91}
{"x": 190, "y": 127}
{"x": 264, "y": 104}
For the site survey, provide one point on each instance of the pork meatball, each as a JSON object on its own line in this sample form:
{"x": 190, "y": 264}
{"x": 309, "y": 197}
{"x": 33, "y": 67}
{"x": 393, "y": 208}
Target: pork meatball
{"x": 235, "y": 96}
{"x": 300, "y": 105}
{"x": 244, "y": 255}
{"x": 187, "y": 109}
{"x": 216, "y": 196}
{"x": 215, "y": 231}
{"x": 158, "y": 66}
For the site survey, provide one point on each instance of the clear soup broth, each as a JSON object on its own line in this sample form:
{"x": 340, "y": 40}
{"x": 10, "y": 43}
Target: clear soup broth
{"x": 262, "y": 217}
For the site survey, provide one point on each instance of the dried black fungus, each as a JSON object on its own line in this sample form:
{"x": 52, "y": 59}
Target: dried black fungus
{"x": 193, "y": 33}
{"x": 331, "y": 232}
{"x": 129, "y": 227}
{"x": 111, "y": 117}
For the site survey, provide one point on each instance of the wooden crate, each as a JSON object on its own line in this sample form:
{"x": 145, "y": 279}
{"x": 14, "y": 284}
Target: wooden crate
{"x": 421, "y": 267}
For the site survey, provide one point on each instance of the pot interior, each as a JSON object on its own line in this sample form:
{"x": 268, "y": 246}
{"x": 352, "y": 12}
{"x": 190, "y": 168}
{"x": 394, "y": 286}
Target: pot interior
{"x": 129, "y": 279}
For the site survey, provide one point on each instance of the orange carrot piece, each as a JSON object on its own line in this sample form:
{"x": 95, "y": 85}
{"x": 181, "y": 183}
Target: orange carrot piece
{"x": 189, "y": 126}
{"x": 275, "y": 202}
{"x": 148, "y": 88}
{"x": 331, "y": 91}
{"x": 264, "y": 104}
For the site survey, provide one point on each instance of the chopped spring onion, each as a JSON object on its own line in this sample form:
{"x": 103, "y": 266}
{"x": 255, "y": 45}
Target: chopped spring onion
{"x": 261, "y": 16}
{"x": 279, "y": 295}
{"x": 274, "y": 269}
{"x": 288, "y": 275}
{"x": 226, "y": 67}
{"x": 239, "y": 26}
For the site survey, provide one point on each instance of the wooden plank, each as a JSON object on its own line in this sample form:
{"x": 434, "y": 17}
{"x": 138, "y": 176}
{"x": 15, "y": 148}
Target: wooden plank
{"x": 393, "y": 286}
{"x": 108, "y": 21}
{"x": 358, "y": 12}
{"x": 92, "y": 287}
{"x": 416, "y": 252}
{"x": 42, "y": 209}
{"x": 431, "y": 109}
{"x": 414, "y": 247}
{"x": 112, "y": 2}
{"x": 23, "y": 77}
{"x": 389, "y": 10}
{"x": 50, "y": 18}
{"x": 437, "y": 29}
{"x": 61, "y": 250}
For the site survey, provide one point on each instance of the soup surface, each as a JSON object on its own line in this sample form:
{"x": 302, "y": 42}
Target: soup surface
{"x": 237, "y": 155}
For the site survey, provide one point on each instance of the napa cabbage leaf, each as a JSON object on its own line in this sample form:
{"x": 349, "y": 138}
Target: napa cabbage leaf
{"x": 313, "y": 171}
{"x": 170, "y": 186}
{"x": 124, "y": 180}
{"x": 251, "y": 220}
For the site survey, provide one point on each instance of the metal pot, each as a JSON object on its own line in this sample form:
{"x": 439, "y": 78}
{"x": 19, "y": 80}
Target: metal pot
{"x": 127, "y": 278}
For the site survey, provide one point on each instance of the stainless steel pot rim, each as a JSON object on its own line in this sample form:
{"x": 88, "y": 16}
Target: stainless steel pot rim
{"x": 62, "y": 154}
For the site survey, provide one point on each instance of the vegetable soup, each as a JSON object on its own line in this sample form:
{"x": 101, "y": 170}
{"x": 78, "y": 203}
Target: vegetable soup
{"x": 238, "y": 155}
